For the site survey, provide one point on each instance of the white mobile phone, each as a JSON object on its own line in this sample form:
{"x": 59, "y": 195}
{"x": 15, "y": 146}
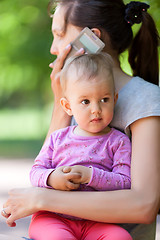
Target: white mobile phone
{"x": 88, "y": 41}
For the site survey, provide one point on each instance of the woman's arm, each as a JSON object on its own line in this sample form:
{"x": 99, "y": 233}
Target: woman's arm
{"x": 137, "y": 205}
{"x": 60, "y": 118}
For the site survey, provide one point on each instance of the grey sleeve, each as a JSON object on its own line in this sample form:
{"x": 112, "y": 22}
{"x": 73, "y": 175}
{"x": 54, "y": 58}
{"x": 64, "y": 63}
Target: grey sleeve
{"x": 138, "y": 99}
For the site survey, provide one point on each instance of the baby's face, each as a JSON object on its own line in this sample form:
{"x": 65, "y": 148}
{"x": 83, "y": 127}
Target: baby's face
{"x": 92, "y": 103}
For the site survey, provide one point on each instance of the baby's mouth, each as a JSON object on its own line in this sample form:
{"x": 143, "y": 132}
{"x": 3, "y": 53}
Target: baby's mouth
{"x": 96, "y": 120}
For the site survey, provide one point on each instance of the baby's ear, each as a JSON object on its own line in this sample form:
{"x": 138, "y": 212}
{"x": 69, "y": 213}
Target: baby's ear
{"x": 66, "y": 106}
{"x": 115, "y": 98}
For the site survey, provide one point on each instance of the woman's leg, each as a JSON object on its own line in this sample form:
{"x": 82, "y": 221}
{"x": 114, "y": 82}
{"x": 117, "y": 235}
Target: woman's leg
{"x": 49, "y": 226}
{"x": 104, "y": 231}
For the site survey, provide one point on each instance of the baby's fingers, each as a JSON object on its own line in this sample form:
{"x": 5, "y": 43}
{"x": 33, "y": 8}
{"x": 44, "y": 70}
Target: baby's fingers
{"x": 72, "y": 186}
{"x": 67, "y": 169}
{"x": 73, "y": 177}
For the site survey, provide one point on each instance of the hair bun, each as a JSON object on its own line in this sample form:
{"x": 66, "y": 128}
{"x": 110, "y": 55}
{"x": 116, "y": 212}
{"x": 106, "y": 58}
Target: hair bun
{"x": 134, "y": 12}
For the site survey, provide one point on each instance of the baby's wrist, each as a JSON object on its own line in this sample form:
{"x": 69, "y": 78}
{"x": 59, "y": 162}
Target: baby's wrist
{"x": 50, "y": 179}
{"x": 89, "y": 175}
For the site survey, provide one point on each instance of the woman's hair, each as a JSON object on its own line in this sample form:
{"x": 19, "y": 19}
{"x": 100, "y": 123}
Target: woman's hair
{"x": 116, "y": 19}
{"x": 88, "y": 67}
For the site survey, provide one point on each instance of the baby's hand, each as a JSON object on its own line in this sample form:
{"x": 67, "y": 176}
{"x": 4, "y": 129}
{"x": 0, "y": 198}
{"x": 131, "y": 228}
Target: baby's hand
{"x": 85, "y": 173}
{"x": 60, "y": 180}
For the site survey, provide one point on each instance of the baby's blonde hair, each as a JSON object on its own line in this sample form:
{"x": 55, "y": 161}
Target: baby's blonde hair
{"x": 87, "y": 67}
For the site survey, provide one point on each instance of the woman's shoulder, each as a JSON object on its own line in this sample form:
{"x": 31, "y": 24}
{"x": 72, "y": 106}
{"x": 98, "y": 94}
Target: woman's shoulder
{"x": 141, "y": 87}
{"x": 138, "y": 91}
{"x": 137, "y": 99}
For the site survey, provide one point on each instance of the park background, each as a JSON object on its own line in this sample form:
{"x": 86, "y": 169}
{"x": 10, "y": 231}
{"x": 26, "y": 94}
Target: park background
{"x": 26, "y": 99}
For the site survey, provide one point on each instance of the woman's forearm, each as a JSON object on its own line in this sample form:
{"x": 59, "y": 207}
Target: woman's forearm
{"x": 131, "y": 207}
{"x": 59, "y": 119}
{"x": 120, "y": 206}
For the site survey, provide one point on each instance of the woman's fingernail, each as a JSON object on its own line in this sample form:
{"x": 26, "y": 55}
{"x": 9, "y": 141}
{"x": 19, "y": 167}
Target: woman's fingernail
{"x": 81, "y": 50}
{"x": 68, "y": 46}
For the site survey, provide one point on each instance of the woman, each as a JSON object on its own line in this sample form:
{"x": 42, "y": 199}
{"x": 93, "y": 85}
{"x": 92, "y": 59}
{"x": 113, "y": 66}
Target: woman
{"x": 137, "y": 113}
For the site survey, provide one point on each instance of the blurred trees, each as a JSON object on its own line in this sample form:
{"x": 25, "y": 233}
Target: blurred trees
{"x": 25, "y": 93}
{"x": 25, "y": 40}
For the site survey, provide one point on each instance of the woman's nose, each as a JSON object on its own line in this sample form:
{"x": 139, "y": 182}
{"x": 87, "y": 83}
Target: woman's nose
{"x": 53, "y": 49}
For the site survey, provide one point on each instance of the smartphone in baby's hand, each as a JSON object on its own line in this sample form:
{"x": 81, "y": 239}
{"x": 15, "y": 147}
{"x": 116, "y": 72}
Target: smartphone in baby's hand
{"x": 88, "y": 41}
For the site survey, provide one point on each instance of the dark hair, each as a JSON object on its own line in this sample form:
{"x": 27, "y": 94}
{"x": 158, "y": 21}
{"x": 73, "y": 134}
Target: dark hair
{"x": 110, "y": 16}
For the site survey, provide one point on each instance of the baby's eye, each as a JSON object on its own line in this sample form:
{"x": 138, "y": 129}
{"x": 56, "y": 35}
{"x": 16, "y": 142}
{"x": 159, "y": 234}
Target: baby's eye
{"x": 85, "y": 101}
{"x": 104, "y": 100}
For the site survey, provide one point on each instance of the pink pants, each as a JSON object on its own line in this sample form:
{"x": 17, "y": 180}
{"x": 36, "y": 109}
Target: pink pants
{"x": 49, "y": 226}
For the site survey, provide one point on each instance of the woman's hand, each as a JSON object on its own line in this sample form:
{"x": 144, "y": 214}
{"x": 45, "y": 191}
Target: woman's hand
{"x": 60, "y": 119}
{"x": 21, "y": 203}
{"x": 57, "y": 66}
{"x": 66, "y": 181}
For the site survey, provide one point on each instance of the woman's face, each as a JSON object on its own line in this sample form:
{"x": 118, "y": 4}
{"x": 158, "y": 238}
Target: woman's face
{"x": 61, "y": 36}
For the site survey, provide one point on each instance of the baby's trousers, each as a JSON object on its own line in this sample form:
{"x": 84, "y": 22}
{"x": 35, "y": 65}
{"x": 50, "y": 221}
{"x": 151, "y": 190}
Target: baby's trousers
{"x": 50, "y": 226}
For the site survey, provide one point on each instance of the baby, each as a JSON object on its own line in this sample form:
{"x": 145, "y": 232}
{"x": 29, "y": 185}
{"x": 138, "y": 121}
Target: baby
{"x": 89, "y": 156}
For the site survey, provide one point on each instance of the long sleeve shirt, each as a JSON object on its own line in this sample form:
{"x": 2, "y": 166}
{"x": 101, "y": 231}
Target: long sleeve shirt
{"x": 108, "y": 155}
